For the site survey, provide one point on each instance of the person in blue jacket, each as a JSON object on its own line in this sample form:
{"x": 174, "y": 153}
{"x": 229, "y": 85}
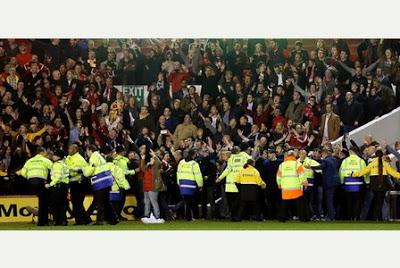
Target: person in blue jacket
{"x": 330, "y": 180}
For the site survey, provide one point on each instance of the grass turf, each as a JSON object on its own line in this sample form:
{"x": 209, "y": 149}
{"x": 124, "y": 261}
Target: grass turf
{"x": 206, "y": 225}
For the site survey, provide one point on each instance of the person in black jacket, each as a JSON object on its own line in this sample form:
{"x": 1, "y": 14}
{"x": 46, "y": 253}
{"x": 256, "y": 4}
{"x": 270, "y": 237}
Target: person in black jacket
{"x": 236, "y": 59}
{"x": 72, "y": 51}
{"x": 209, "y": 83}
{"x": 54, "y": 54}
{"x": 373, "y": 105}
{"x": 350, "y": 113}
{"x": 207, "y": 161}
{"x": 102, "y": 51}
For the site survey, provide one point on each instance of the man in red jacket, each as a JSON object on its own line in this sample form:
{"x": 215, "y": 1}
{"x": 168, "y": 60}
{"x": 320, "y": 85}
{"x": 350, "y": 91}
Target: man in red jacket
{"x": 24, "y": 56}
{"x": 176, "y": 77}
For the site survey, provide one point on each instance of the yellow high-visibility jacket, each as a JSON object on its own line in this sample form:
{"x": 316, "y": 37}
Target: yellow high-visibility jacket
{"x": 59, "y": 173}
{"x": 234, "y": 165}
{"x": 36, "y": 167}
{"x": 249, "y": 175}
{"x": 373, "y": 170}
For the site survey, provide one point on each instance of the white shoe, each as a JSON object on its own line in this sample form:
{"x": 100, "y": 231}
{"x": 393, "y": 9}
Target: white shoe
{"x": 151, "y": 219}
{"x": 145, "y": 220}
{"x": 159, "y": 220}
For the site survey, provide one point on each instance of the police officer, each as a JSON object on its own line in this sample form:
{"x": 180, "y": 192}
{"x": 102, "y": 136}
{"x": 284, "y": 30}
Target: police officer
{"x": 77, "y": 166}
{"x": 121, "y": 161}
{"x": 120, "y": 185}
{"x": 235, "y": 163}
{"x": 249, "y": 181}
{"x": 36, "y": 170}
{"x": 58, "y": 187}
{"x": 291, "y": 180}
{"x": 352, "y": 185}
{"x": 102, "y": 180}
{"x": 189, "y": 178}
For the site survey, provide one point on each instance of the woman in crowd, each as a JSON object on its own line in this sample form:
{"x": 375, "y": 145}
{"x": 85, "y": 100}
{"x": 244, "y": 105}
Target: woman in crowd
{"x": 379, "y": 170}
{"x": 150, "y": 166}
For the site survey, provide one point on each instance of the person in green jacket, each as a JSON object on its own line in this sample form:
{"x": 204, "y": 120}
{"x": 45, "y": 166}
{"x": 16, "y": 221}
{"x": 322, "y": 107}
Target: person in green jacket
{"x": 58, "y": 186}
{"x": 78, "y": 168}
{"x": 310, "y": 191}
{"x": 121, "y": 161}
{"x": 353, "y": 185}
{"x": 235, "y": 163}
{"x": 120, "y": 185}
{"x": 102, "y": 181}
{"x": 36, "y": 170}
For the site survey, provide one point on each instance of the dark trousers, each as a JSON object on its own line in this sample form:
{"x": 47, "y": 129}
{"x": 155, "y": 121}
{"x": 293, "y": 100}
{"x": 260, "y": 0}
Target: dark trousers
{"x": 329, "y": 202}
{"x": 119, "y": 205}
{"x": 190, "y": 207}
{"x": 273, "y": 203}
{"x": 377, "y": 203}
{"x": 37, "y": 187}
{"x": 298, "y": 204}
{"x": 137, "y": 189}
{"x": 59, "y": 203}
{"x": 207, "y": 197}
{"x": 233, "y": 204}
{"x": 353, "y": 204}
{"x": 308, "y": 201}
{"x": 78, "y": 192}
{"x": 105, "y": 210}
{"x": 163, "y": 204}
{"x": 253, "y": 209}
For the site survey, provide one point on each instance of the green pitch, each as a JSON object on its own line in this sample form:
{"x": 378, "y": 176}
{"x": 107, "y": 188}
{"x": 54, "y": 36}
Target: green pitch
{"x": 215, "y": 225}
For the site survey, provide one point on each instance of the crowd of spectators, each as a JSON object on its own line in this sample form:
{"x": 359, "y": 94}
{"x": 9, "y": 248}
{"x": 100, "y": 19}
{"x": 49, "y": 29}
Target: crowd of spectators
{"x": 256, "y": 93}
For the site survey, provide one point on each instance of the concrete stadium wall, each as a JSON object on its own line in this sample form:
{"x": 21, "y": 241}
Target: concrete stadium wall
{"x": 387, "y": 128}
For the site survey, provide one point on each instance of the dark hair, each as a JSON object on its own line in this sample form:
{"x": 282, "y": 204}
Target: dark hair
{"x": 250, "y": 162}
{"x": 190, "y": 155}
{"x": 379, "y": 154}
{"x": 353, "y": 148}
{"x": 92, "y": 147}
{"x": 40, "y": 150}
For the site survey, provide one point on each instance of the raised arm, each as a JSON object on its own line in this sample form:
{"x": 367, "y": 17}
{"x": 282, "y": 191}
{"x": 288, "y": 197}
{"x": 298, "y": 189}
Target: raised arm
{"x": 71, "y": 124}
{"x": 300, "y": 90}
{"x": 350, "y": 70}
{"x": 393, "y": 151}
{"x": 369, "y": 68}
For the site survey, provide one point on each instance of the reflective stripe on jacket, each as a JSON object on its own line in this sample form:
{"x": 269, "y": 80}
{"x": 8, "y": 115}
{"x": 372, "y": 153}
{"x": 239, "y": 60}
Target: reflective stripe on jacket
{"x": 352, "y": 163}
{"x": 373, "y": 169}
{"x": 309, "y": 173}
{"x": 36, "y": 167}
{"x": 74, "y": 162}
{"x": 59, "y": 173}
{"x": 189, "y": 177}
{"x": 234, "y": 165}
{"x": 100, "y": 171}
{"x": 119, "y": 178}
{"x": 290, "y": 178}
{"x": 122, "y": 162}
{"x": 249, "y": 175}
